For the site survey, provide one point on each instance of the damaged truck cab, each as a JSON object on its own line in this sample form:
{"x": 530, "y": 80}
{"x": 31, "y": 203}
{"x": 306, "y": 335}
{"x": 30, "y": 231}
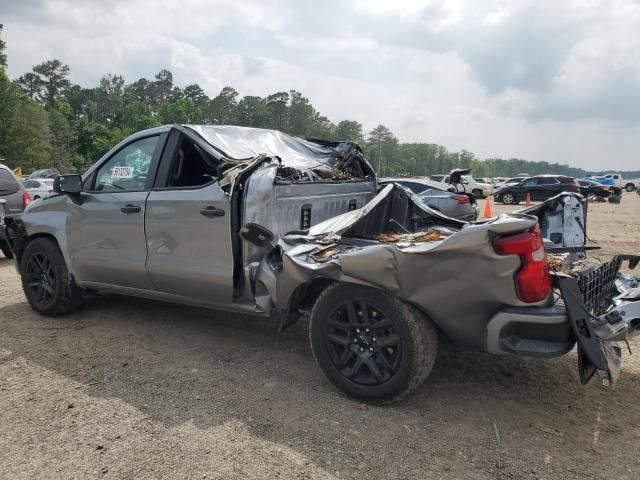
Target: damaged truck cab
{"x": 264, "y": 223}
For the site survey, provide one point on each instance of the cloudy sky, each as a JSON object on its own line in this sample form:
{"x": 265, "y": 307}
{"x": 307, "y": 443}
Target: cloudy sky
{"x": 553, "y": 80}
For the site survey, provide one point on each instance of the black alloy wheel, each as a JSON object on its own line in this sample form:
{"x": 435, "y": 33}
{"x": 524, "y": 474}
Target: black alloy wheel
{"x": 362, "y": 342}
{"x": 46, "y": 282}
{"x": 40, "y": 279}
{"x": 371, "y": 344}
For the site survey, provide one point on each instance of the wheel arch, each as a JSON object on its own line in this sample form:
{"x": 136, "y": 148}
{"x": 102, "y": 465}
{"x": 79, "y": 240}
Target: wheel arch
{"x": 302, "y": 299}
{"x": 54, "y": 239}
{"x": 305, "y": 295}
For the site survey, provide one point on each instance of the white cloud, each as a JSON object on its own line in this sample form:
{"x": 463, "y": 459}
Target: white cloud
{"x": 542, "y": 80}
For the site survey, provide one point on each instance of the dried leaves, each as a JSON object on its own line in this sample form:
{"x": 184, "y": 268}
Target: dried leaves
{"x": 426, "y": 236}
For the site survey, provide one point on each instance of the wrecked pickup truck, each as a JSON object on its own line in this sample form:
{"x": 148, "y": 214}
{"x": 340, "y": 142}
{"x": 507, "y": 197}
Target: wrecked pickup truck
{"x": 259, "y": 222}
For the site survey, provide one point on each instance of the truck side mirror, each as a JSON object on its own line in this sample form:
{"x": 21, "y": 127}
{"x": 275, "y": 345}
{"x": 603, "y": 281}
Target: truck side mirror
{"x": 257, "y": 235}
{"x": 69, "y": 184}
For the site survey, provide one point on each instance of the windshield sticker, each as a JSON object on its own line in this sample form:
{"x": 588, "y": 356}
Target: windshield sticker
{"x": 122, "y": 172}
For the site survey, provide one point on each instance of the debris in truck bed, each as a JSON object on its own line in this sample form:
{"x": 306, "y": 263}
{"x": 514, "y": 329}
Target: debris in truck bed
{"x": 323, "y": 253}
{"x": 556, "y": 262}
{"x": 339, "y": 174}
{"x": 426, "y": 236}
{"x": 320, "y": 173}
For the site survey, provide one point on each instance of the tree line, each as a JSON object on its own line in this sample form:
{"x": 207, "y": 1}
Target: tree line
{"x": 47, "y": 121}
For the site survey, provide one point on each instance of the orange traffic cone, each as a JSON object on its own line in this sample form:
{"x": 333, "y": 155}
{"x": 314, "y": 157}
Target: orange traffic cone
{"x": 528, "y": 204}
{"x": 487, "y": 209}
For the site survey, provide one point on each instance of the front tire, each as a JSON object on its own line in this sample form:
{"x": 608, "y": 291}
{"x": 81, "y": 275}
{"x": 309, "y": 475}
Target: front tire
{"x": 629, "y": 187}
{"x": 4, "y": 248}
{"x": 370, "y": 344}
{"x": 46, "y": 282}
{"x": 508, "y": 198}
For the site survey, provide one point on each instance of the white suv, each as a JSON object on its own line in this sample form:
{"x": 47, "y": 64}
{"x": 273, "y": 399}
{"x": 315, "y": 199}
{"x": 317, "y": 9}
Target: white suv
{"x": 468, "y": 184}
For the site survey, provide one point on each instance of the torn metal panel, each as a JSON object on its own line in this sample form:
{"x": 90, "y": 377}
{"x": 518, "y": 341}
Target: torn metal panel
{"x": 432, "y": 274}
{"x": 284, "y": 208}
{"x": 563, "y": 221}
{"x": 395, "y": 209}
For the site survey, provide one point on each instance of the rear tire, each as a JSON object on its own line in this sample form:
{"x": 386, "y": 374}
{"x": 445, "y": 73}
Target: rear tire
{"x": 369, "y": 343}
{"x": 630, "y": 187}
{"x": 477, "y": 193}
{"x": 46, "y": 282}
{"x": 4, "y": 248}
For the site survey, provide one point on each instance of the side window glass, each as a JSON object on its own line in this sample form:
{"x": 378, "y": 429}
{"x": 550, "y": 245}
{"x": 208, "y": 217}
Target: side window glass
{"x": 128, "y": 168}
{"x": 7, "y": 183}
{"x": 191, "y": 166}
{"x": 531, "y": 182}
{"x": 548, "y": 181}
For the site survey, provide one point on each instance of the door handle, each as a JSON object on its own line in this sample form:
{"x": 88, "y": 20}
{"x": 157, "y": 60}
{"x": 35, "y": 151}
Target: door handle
{"x": 212, "y": 212}
{"x": 130, "y": 209}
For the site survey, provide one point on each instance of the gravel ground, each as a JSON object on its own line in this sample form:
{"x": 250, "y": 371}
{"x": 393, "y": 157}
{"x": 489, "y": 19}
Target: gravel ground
{"x": 128, "y": 388}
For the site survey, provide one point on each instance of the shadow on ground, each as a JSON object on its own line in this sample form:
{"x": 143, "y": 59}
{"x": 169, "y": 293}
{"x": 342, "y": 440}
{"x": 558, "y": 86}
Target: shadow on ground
{"x": 181, "y": 364}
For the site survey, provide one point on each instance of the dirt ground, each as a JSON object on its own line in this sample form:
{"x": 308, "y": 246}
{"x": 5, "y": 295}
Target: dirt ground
{"x": 133, "y": 389}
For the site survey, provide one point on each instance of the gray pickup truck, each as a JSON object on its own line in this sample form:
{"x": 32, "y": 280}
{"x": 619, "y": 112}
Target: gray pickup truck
{"x": 259, "y": 222}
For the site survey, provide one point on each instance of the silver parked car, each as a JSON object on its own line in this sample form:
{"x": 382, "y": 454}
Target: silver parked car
{"x": 44, "y": 173}
{"x": 462, "y": 206}
{"x": 260, "y": 222}
{"x": 16, "y": 199}
{"x": 39, "y": 187}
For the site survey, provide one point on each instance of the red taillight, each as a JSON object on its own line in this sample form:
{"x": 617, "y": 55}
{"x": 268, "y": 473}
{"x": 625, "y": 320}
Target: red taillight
{"x": 26, "y": 200}
{"x": 533, "y": 280}
{"x": 461, "y": 199}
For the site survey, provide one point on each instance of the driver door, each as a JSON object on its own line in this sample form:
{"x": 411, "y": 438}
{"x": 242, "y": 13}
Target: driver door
{"x": 105, "y": 229}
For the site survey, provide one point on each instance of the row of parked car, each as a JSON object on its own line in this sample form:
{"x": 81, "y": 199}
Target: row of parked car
{"x": 459, "y": 200}
{"x": 543, "y": 187}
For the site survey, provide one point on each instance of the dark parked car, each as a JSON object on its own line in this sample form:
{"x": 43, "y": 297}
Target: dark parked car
{"x": 589, "y": 188}
{"x": 540, "y": 187}
{"x": 462, "y": 206}
{"x": 16, "y": 199}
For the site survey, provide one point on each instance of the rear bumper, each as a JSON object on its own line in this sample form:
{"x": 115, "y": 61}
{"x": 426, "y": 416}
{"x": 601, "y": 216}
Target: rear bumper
{"x": 535, "y": 331}
{"x": 586, "y": 315}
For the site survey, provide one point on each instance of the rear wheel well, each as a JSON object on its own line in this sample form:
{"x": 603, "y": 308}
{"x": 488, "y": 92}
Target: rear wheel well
{"x": 302, "y": 300}
{"x": 305, "y": 295}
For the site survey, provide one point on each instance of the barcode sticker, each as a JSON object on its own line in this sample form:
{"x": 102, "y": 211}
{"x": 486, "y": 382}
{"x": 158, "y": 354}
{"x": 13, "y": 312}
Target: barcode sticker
{"x": 122, "y": 172}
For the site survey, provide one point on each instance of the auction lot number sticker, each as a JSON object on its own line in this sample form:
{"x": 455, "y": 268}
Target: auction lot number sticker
{"x": 122, "y": 172}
